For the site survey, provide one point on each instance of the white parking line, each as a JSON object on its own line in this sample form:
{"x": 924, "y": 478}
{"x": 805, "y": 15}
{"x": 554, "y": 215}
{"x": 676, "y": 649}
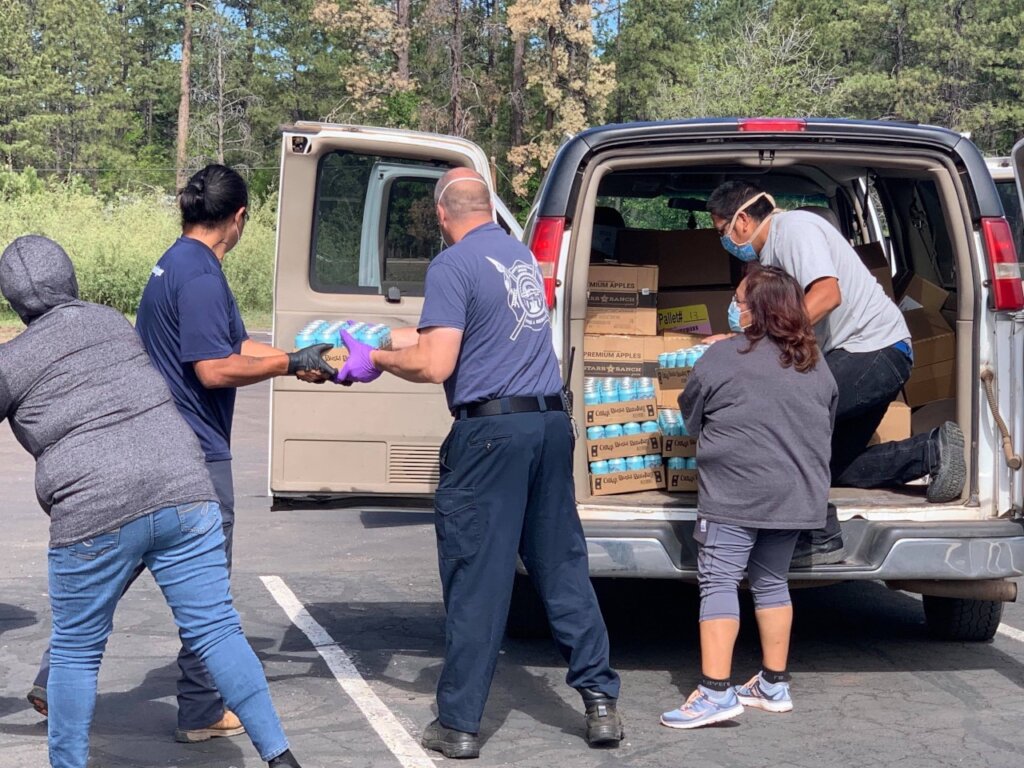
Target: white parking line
{"x": 409, "y": 753}
{"x": 1011, "y": 632}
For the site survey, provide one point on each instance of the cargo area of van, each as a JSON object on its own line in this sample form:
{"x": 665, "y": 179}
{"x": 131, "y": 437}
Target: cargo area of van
{"x": 659, "y": 279}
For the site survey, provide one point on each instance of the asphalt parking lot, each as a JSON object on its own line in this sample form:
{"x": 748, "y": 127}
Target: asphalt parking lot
{"x": 344, "y": 609}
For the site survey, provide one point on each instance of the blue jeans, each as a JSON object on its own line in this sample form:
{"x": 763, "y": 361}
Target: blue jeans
{"x": 183, "y": 547}
{"x": 868, "y": 383}
{"x": 199, "y": 703}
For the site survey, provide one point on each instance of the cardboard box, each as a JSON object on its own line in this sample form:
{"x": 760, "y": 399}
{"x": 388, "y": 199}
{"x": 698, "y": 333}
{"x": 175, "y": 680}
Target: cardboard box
{"x": 895, "y": 425}
{"x": 627, "y": 482}
{"x": 668, "y": 398}
{"x": 624, "y": 355}
{"x": 621, "y": 286}
{"x": 336, "y": 356}
{"x": 931, "y": 382}
{"x": 633, "y": 322}
{"x": 674, "y": 378}
{"x": 690, "y": 257}
{"x": 681, "y": 480}
{"x": 624, "y": 447}
{"x": 618, "y": 355}
{"x": 702, "y": 312}
{"x": 873, "y": 257}
{"x": 917, "y": 293}
{"x": 622, "y": 299}
{"x": 683, "y": 447}
{"x": 620, "y": 413}
{"x": 933, "y": 340}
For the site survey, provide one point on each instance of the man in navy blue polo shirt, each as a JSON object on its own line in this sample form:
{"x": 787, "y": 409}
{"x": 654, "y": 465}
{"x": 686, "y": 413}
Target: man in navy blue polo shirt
{"x": 506, "y": 483}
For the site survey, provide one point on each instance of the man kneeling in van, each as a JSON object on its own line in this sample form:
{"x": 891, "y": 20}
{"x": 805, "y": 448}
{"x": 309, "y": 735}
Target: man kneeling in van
{"x": 866, "y": 345}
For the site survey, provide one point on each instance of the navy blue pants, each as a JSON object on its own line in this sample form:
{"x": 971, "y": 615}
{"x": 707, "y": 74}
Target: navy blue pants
{"x": 199, "y": 702}
{"x": 506, "y": 488}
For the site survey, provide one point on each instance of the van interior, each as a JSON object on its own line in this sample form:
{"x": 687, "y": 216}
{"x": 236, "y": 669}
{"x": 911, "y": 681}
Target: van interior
{"x": 651, "y": 209}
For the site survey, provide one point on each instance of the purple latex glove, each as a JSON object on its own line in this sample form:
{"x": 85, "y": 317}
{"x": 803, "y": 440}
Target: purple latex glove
{"x": 358, "y": 367}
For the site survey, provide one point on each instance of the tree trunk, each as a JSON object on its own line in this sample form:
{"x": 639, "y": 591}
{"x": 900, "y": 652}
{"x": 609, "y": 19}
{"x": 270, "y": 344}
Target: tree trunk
{"x": 184, "y": 104}
{"x": 404, "y": 31}
{"x": 458, "y": 129}
{"x": 518, "y": 88}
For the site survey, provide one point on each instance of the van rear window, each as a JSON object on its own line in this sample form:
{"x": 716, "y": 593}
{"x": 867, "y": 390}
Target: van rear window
{"x": 374, "y": 224}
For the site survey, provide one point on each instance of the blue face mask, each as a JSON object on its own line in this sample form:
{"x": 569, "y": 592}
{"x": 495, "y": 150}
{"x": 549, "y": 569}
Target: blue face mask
{"x": 743, "y": 252}
{"x": 734, "y": 317}
{"x": 746, "y": 251}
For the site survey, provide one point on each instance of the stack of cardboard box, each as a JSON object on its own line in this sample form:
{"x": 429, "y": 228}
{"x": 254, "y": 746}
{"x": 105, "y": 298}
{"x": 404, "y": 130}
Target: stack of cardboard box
{"x": 620, "y": 340}
{"x": 669, "y": 289}
{"x": 934, "y": 374}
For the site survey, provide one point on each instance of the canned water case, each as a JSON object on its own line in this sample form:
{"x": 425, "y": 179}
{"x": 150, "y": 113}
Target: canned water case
{"x": 628, "y": 482}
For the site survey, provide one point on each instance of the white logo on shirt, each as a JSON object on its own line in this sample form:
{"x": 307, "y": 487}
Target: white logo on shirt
{"x": 525, "y": 295}
{"x": 158, "y": 271}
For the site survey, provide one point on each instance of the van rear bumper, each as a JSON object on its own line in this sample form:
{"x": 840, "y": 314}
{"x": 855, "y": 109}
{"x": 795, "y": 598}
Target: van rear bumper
{"x": 990, "y": 549}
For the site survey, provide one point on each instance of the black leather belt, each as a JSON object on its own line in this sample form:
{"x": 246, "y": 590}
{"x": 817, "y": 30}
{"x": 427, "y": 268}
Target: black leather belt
{"x": 506, "y": 405}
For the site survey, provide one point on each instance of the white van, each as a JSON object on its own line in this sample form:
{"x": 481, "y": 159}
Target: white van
{"x": 356, "y": 231}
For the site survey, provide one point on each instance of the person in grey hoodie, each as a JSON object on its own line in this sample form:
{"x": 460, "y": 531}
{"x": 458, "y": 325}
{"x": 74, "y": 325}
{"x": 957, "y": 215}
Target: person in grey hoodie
{"x": 123, "y": 479}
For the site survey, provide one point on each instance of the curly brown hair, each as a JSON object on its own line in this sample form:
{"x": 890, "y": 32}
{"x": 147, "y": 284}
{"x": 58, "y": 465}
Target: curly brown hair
{"x": 775, "y": 301}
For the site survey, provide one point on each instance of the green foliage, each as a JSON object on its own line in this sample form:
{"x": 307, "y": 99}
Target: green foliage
{"x": 114, "y": 245}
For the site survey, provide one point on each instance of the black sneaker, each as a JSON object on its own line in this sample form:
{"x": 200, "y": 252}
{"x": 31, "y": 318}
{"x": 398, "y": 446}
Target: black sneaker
{"x": 285, "y": 760}
{"x": 821, "y": 546}
{"x": 604, "y": 727}
{"x": 824, "y": 551}
{"x": 457, "y": 745}
{"x": 947, "y": 479}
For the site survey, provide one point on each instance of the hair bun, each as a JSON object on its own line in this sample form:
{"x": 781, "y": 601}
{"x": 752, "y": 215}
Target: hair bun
{"x": 197, "y": 185}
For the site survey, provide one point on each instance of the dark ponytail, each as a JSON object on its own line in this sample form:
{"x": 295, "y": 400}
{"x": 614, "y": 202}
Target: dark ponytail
{"x": 211, "y": 196}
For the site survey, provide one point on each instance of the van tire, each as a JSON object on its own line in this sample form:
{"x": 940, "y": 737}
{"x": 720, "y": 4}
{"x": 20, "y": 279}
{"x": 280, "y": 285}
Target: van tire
{"x": 527, "y": 619}
{"x": 954, "y": 618}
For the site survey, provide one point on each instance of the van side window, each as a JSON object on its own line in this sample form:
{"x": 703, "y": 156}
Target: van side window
{"x": 374, "y": 224}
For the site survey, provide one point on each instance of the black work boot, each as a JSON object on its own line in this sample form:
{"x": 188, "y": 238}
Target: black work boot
{"x": 604, "y": 728}
{"x": 949, "y": 470}
{"x": 285, "y": 760}
{"x": 457, "y": 745}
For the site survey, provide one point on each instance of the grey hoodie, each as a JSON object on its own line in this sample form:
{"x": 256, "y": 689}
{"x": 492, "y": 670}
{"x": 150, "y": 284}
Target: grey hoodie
{"x": 83, "y": 399}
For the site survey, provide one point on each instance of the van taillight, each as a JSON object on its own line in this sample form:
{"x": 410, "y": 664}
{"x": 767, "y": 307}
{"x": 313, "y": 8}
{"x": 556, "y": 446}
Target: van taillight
{"x": 1003, "y": 268}
{"x": 546, "y": 244}
{"x": 771, "y": 125}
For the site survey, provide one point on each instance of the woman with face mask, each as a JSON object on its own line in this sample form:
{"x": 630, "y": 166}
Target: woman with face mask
{"x": 762, "y": 403}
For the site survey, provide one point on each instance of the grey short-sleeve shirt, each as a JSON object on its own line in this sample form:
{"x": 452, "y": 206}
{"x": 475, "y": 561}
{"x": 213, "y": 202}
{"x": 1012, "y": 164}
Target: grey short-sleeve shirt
{"x": 764, "y": 436}
{"x": 809, "y": 248}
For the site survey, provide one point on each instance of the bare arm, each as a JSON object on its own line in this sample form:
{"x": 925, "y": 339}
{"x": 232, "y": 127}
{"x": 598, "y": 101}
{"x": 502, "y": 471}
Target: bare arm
{"x": 821, "y": 298}
{"x": 404, "y": 337}
{"x": 431, "y": 360}
{"x": 252, "y": 348}
{"x": 240, "y": 370}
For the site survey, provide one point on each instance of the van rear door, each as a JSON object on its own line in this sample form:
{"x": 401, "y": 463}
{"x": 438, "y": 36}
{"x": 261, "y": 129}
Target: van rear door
{"x": 356, "y": 231}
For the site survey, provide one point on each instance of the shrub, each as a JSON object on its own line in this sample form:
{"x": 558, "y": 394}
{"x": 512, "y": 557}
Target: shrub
{"x": 114, "y": 244}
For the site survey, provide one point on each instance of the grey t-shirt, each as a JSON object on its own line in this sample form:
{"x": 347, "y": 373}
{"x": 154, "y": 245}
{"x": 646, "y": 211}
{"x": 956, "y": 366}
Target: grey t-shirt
{"x": 109, "y": 443}
{"x": 809, "y": 248}
{"x": 765, "y": 435}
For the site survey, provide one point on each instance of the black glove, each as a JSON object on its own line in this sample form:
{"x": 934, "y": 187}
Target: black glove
{"x": 309, "y": 359}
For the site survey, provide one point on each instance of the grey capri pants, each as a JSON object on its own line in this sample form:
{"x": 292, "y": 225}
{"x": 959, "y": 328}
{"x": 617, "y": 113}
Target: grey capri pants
{"x": 726, "y": 551}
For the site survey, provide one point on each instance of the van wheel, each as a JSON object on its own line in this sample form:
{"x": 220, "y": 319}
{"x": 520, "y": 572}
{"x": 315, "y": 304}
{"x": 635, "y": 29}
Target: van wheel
{"x": 527, "y": 619}
{"x": 954, "y": 618}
